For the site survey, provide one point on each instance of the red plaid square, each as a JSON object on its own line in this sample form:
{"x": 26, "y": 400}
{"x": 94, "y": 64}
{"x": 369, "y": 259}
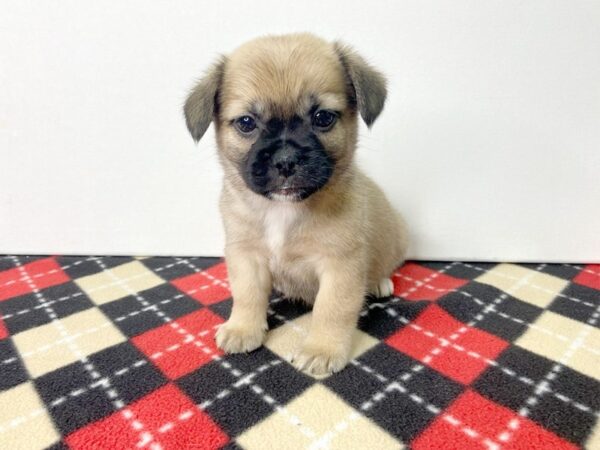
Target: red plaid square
{"x": 3, "y": 330}
{"x": 447, "y": 345}
{"x": 43, "y": 273}
{"x": 171, "y": 348}
{"x": 589, "y": 276}
{"x": 474, "y": 419}
{"x": 208, "y": 287}
{"x": 415, "y": 282}
{"x": 165, "y": 419}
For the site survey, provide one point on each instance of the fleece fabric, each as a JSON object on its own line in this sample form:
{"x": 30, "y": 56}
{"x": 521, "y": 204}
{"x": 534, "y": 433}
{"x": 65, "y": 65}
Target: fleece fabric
{"x": 119, "y": 353}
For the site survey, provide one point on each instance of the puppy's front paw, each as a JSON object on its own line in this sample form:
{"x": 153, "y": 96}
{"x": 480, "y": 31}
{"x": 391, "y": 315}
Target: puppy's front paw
{"x": 321, "y": 359}
{"x": 240, "y": 338}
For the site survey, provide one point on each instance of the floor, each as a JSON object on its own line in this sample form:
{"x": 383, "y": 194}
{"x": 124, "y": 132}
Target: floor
{"x": 118, "y": 352}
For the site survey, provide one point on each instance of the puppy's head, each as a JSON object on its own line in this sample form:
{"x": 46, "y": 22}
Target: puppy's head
{"x": 285, "y": 112}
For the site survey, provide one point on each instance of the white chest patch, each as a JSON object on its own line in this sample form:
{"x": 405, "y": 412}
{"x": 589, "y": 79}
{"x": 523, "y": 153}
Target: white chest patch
{"x": 279, "y": 220}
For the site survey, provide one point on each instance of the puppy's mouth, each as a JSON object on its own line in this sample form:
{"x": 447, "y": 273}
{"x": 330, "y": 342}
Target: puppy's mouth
{"x": 289, "y": 193}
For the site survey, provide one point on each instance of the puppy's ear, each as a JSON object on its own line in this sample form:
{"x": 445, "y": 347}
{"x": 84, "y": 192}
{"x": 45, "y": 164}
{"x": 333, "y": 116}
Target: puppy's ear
{"x": 367, "y": 86}
{"x": 202, "y": 102}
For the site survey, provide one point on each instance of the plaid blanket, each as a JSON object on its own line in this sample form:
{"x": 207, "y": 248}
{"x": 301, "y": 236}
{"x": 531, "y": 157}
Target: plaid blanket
{"x": 119, "y": 353}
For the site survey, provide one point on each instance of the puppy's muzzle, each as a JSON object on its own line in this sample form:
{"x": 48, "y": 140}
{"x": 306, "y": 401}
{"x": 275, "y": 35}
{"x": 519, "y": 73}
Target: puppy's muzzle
{"x": 290, "y": 167}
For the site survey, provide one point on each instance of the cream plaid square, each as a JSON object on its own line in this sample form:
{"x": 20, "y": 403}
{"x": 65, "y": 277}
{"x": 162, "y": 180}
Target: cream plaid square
{"x": 65, "y": 341}
{"x": 553, "y": 347}
{"x": 20, "y": 406}
{"x": 285, "y": 340}
{"x": 317, "y": 419}
{"x": 525, "y": 284}
{"x": 118, "y": 282}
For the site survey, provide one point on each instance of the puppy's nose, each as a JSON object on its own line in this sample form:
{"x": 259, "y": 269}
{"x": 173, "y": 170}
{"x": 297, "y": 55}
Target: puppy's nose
{"x": 286, "y": 168}
{"x": 285, "y": 162}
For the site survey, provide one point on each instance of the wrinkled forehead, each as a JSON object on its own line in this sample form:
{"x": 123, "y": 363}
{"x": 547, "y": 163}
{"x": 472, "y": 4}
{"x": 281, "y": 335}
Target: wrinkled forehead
{"x": 282, "y": 83}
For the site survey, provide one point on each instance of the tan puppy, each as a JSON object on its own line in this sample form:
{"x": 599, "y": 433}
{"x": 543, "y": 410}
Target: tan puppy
{"x": 299, "y": 216}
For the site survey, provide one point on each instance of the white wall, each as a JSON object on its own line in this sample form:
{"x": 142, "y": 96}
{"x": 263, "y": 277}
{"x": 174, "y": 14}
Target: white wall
{"x": 488, "y": 144}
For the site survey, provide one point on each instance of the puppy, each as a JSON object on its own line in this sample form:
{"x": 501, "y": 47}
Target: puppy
{"x": 299, "y": 216}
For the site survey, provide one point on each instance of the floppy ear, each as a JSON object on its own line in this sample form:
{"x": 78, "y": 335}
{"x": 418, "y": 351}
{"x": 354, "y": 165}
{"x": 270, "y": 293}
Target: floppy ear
{"x": 202, "y": 102}
{"x": 367, "y": 86}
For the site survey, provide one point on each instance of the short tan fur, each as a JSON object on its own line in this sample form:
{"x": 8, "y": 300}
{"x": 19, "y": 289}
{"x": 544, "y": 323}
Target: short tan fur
{"x": 329, "y": 249}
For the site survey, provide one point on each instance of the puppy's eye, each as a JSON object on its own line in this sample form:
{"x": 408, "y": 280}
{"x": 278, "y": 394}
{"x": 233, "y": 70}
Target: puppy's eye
{"x": 245, "y": 124}
{"x": 324, "y": 119}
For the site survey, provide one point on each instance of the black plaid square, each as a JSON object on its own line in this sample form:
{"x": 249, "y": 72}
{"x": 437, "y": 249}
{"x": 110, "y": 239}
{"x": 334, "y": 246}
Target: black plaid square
{"x": 172, "y": 268}
{"x": 25, "y": 312}
{"x": 570, "y": 410}
{"x": 283, "y": 309}
{"x": 564, "y": 271}
{"x": 133, "y": 317}
{"x": 491, "y": 309}
{"x": 75, "y": 398}
{"x": 385, "y": 381}
{"x": 512, "y": 381}
{"x": 567, "y": 408}
{"x": 223, "y": 308}
{"x": 77, "y": 267}
{"x": 58, "y": 446}
{"x": 379, "y": 317}
{"x": 465, "y": 271}
{"x": 577, "y": 302}
{"x": 235, "y": 404}
{"x": 232, "y": 446}
{"x": 12, "y": 371}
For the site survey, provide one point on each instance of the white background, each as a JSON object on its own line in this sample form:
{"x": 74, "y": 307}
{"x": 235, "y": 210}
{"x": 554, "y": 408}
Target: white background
{"x": 489, "y": 143}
